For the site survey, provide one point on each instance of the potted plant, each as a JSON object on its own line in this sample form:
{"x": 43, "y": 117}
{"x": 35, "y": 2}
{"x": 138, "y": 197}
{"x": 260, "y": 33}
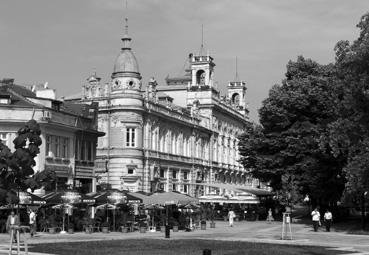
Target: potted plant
{"x": 53, "y": 225}
{"x": 143, "y": 227}
{"x": 124, "y": 229}
{"x": 162, "y": 224}
{"x": 70, "y": 228}
{"x": 203, "y": 224}
{"x": 105, "y": 227}
{"x": 175, "y": 226}
{"x": 212, "y": 223}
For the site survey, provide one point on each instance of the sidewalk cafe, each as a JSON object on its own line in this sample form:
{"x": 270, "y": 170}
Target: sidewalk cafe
{"x": 116, "y": 210}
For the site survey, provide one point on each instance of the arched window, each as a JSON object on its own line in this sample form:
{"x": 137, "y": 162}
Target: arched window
{"x": 200, "y": 77}
{"x": 236, "y": 99}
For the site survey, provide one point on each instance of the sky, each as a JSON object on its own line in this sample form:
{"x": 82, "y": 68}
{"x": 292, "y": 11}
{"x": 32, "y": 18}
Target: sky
{"x": 62, "y": 42}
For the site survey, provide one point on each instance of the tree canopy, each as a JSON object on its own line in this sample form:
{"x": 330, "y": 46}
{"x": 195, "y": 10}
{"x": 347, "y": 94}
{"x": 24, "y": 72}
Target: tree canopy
{"x": 286, "y": 149}
{"x": 16, "y": 168}
{"x": 313, "y": 136}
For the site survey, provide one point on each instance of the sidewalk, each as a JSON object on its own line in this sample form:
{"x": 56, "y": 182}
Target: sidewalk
{"x": 242, "y": 231}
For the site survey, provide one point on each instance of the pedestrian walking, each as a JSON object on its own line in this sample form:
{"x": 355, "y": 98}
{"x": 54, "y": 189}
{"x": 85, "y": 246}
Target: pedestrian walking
{"x": 270, "y": 216}
{"x": 328, "y": 220}
{"x": 32, "y": 222}
{"x": 231, "y": 216}
{"x": 316, "y": 219}
{"x": 11, "y": 223}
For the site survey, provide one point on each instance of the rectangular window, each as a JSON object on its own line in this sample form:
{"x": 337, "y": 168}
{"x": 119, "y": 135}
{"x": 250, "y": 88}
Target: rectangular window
{"x": 174, "y": 187}
{"x": 131, "y": 170}
{"x": 48, "y": 146}
{"x": 56, "y": 146}
{"x": 65, "y": 145}
{"x": 89, "y": 151}
{"x": 174, "y": 174}
{"x": 76, "y": 153}
{"x": 185, "y": 175}
{"x": 185, "y": 189}
{"x": 83, "y": 151}
{"x": 162, "y": 173}
{"x": 130, "y": 137}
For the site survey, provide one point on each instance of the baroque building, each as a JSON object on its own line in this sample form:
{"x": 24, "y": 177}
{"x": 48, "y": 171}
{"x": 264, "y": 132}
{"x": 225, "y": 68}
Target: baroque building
{"x": 68, "y": 131}
{"x": 179, "y": 136}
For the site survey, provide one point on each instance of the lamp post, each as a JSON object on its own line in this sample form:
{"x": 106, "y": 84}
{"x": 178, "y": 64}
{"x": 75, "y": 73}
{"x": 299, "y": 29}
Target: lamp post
{"x": 307, "y": 200}
{"x": 363, "y": 210}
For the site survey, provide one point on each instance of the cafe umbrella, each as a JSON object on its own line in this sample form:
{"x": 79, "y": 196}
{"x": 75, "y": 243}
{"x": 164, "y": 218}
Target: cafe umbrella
{"x": 110, "y": 199}
{"x": 65, "y": 200}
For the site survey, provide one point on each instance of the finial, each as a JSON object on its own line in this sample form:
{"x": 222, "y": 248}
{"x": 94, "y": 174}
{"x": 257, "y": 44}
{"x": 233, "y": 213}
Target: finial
{"x": 126, "y": 26}
{"x": 126, "y": 19}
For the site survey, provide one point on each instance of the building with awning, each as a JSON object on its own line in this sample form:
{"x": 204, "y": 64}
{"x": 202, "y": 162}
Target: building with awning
{"x": 167, "y": 136}
{"x": 232, "y": 194}
{"x": 68, "y": 131}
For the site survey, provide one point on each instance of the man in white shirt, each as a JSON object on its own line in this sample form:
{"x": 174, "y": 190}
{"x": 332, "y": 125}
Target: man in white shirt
{"x": 231, "y": 216}
{"x": 316, "y": 219}
{"x": 32, "y": 222}
{"x": 328, "y": 220}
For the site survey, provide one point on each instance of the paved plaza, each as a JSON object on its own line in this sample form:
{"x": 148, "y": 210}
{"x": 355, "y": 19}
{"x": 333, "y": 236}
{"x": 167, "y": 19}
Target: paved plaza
{"x": 242, "y": 231}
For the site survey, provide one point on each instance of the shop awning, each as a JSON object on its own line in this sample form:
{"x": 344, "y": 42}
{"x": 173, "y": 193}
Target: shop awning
{"x": 114, "y": 197}
{"x": 67, "y": 197}
{"x": 229, "y": 200}
{"x": 238, "y": 188}
{"x": 165, "y": 198}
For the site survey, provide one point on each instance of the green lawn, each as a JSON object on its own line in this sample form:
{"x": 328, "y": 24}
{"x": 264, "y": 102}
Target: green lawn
{"x": 175, "y": 247}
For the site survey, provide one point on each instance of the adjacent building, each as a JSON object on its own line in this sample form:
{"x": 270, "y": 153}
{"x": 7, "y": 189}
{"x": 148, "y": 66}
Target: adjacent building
{"x": 179, "y": 136}
{"x": 68, "y": 131}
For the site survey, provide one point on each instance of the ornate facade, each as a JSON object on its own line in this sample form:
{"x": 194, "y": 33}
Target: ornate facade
{"x": 172, "y": 136}
{"x": 68, "y": 131}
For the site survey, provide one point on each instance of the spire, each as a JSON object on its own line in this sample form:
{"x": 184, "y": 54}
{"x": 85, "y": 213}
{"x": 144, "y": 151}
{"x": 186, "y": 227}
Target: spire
{"x": 236, "y": 78}
{"x": 126, "y": 39}
{"x": 202, "y": 50}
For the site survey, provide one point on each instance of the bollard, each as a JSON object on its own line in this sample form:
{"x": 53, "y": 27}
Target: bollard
{"x": 206, "y": 252}
{"x": 167, "y": 231}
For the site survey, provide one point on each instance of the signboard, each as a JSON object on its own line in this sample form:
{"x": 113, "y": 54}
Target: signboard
{"x": 71, "y": 197}
{"x": 117, "y": 198}
{"x": 25, "y": 198}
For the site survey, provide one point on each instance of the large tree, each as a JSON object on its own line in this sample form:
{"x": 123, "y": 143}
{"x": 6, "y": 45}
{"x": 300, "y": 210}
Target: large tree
{"x": 289, "y": 148}
{"x": 349, "y": 134}
{"x": 16, "y": 168}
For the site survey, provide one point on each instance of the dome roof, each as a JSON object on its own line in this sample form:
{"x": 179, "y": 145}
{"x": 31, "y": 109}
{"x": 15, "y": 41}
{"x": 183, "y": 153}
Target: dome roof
{"x": 126, "y": 62}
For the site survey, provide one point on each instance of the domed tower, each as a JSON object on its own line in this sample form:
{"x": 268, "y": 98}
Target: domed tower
{"x": 123, "y": 113}
{"x": 126, "y": 75}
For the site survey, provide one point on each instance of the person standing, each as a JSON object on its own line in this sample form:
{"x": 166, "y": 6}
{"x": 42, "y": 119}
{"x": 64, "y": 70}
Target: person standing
{"x": 11, "y": 222}
{"x": 231, "y": 216}
{"x": 270, "y": 216}
{"x": 328, "y": 220}
{"x": 32, "y": 222}
{"x": 316, "y": 219}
